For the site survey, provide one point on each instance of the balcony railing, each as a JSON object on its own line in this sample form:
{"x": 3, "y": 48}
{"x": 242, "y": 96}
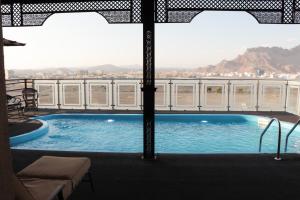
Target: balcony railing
{"x": 171, "y": 94}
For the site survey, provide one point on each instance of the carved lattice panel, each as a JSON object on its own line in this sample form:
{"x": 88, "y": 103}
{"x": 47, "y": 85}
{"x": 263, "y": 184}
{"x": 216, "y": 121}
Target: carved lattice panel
{"x": 297, "y": 17}
{"x": 35, "y": 14}
{"x": 17, "y": 13}
{"x": 17, "y": 17}
{"x": 6, "y": 20}
{"x": 136, "y": 11}
{"x": 5, "y": 9}
{"x": 268, "y": 17}
{"x": 225, "y": 4}
{"x": 35, "y": 19}
{"x": 182, "y": 16}
{"x": 265, "y": 11}
{"x": 161, "y": 12}
{"x": 77, "y": 6}
{"x": 116, "y": 16}
{"x": 288, "y": 11}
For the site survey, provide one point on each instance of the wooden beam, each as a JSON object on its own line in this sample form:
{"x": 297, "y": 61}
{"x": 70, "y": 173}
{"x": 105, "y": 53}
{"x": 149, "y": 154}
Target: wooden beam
{"x": 6, "y": 171}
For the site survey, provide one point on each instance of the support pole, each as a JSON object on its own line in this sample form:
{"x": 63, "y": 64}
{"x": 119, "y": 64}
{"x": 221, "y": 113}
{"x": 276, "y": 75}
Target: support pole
{"x": 148, "y": 77}
{"x": 6, "y": 172}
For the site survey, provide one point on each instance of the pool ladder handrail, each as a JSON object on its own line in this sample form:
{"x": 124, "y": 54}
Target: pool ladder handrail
{"x": 289, "y": 133}
{"x": 279, "y": 137}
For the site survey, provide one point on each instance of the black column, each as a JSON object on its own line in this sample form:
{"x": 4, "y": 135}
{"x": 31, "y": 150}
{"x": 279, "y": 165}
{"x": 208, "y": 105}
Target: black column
{"x": 148, "y": 77}
{"x": 6, "y": 171}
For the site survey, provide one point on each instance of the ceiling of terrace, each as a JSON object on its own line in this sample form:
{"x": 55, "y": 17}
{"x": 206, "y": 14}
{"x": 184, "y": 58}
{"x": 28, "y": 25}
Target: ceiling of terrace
{"x": 35, "y": 12}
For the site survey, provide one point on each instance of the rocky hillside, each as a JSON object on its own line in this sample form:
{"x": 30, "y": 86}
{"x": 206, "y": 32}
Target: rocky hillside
{"x": 269, "y": 59}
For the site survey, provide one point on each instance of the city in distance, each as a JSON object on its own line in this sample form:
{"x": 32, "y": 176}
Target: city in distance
{"x": 258, "y": 62}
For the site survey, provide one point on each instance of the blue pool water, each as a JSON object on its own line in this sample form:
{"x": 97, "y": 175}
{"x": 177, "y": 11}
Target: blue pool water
{"x": 175, "y": 133}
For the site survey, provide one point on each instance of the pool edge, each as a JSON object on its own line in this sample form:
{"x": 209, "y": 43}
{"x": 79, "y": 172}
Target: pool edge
{"x": 15, "y": 140}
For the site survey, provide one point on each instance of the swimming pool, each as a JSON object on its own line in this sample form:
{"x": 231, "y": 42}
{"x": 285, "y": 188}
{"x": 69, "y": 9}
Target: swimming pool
{"x": 175, "y": 133}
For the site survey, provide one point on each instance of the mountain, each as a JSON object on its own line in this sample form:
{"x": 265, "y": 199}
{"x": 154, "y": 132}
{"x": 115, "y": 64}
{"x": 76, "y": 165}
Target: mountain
{"x": 268, "y": 59}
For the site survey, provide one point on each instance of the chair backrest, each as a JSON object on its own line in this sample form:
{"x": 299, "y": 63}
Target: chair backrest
{"x": 8, "y": 98}
{"x": 30, "y": 97}
{"x": 29, "y": 93}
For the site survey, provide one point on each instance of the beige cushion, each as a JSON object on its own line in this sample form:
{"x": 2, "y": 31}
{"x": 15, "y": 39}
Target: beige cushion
{"x": 21, "y": 193}
{"x": 40, "y": 189}
{"x": 47, "y": 189}
{"x": 62, "y": 168}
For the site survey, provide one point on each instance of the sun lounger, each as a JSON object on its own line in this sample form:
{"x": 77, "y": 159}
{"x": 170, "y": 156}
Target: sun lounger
{"x": 69, "y": 171}
{"x": 41, "y": 189}
{"x": 14, "y": 103}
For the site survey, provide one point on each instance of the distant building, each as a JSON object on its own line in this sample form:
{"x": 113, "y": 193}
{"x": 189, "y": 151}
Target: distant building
{"x": 83, "y": 73}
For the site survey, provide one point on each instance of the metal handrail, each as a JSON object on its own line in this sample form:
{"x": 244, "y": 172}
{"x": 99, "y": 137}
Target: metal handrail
{"x": 288, "y": 135}
{"x": 279, "y": 137}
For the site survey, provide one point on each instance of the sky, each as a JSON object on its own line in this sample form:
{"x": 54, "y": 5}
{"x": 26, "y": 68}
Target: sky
{"x": 86, "y": 39}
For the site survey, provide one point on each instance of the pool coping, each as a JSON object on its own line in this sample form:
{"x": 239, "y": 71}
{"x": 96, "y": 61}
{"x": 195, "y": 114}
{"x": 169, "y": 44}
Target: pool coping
{"x": 25, "y": 137}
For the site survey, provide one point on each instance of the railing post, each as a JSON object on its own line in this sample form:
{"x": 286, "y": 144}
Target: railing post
{"x": 170, "y": 95}
{"x": 257, "y": 96}
{"x": 199, "y": 95}
{"x": 112, "y": 94}
{"x": 141, "y": 97}
{"x": 6, "y": 171}
{"x": 148, "y": 77}
{"x": 228, "y": 95}
{"x": 84, "y": 94}
{"x": 33, "y": 83}
{"x": 286, "y": 94}
{"x": 25, "y": 83}
{"x": 58, "y": 94}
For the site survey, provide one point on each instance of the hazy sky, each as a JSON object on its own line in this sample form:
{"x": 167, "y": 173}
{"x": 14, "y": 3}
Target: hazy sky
{"x": 86, "y": 39}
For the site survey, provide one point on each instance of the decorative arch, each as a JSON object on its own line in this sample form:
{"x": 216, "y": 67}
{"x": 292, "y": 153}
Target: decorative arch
{"x": 265, "y": 11}
{"x": 36, "y": 12}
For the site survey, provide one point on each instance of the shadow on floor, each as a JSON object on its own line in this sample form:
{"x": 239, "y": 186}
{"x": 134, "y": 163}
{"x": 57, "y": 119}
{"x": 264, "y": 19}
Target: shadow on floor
{"x": 231, "y": 176}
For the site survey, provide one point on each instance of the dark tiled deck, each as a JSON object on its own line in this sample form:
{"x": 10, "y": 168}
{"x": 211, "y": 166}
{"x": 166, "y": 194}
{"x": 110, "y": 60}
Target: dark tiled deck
{"x": 126, "y": 176}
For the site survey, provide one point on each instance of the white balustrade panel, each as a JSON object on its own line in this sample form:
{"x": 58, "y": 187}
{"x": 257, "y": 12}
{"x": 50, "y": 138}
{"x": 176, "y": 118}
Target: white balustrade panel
{"x": 127, "y": 94}
{"x": 214, "y": 95}
{"x": 185, "y": 95}
{"x": 72, "y": 94}
{"x": 292, "y": 104}
{"x": 162, "y": 95}
{"x": 47, "y": 90}
{"x": 243, "y": 95}
{"x": 99, "y": 94}
{"x": 272, "y": 95}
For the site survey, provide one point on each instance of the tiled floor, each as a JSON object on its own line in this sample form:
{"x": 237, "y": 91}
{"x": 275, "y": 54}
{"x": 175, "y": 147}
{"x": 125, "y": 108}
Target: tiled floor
{"x": 205, "y": 177}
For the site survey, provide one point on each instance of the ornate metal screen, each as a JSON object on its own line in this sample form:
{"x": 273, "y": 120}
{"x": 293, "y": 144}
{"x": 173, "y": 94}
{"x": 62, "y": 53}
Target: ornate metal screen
{"x": 35, "y": 12}
{"x": 265, "y": 11}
